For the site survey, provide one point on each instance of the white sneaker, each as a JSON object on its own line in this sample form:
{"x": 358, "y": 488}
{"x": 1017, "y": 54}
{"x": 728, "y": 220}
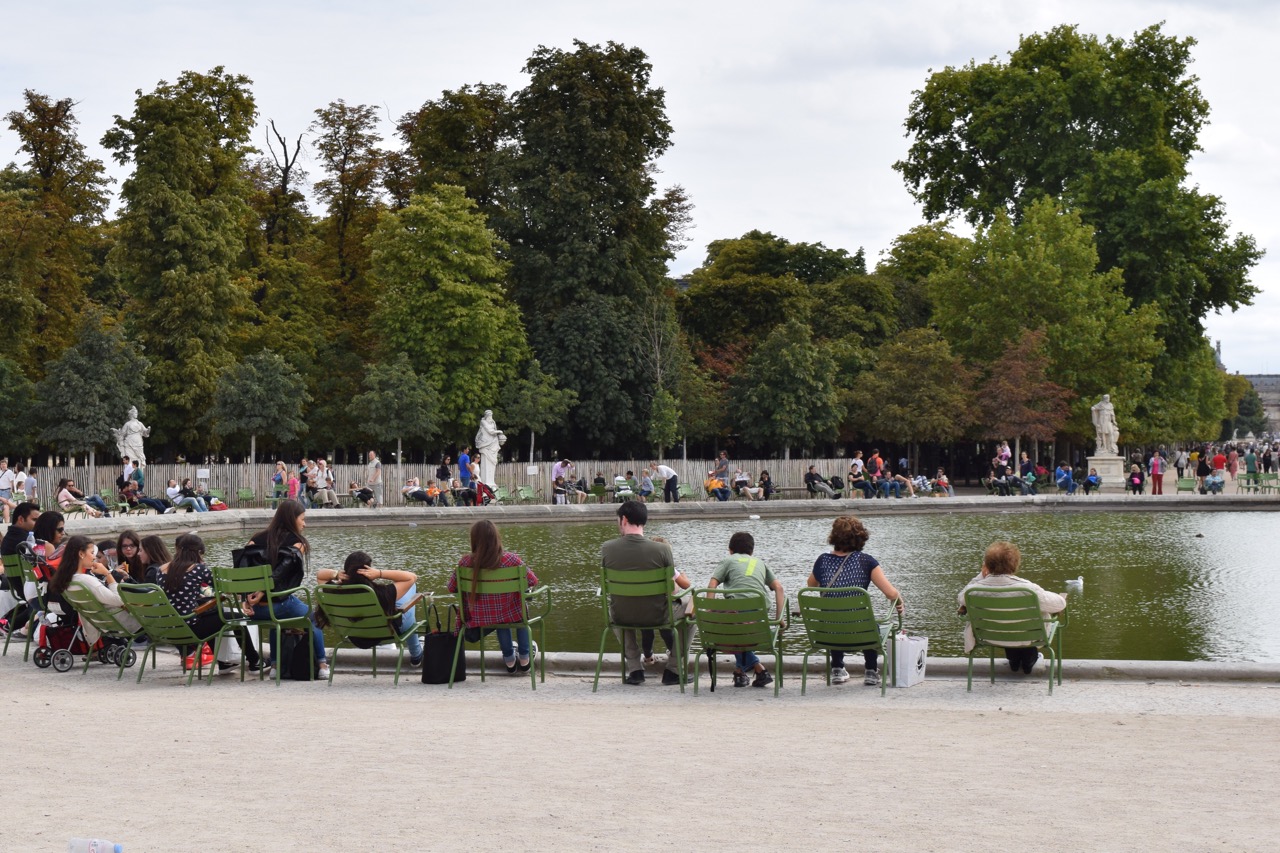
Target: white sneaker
{"x": 839, "y": 675}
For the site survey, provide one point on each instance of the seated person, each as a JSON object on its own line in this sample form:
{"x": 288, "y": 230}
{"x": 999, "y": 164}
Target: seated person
{"x": 1093, "y": 482}
{"x": 715, "y": 487}
{"x": 462, "y": 496}
{"x": 484, "y": 609}
{"x": 133, "y": 496}
{"x": 1028, "y": 481}
{"x": 1000, "y": 566}
{"x": 622, "y": 487}
{"x": 884, "y": 484}
{"x": 1000, "y": 479}
{"x": 645, "y": 488}
{"x": 903, "y": 479}
{"x": 1064, "y": 479}
{"x": 435, "y": 497}
{"x": 765, "y": 484}
{"x": 1213, "y": 484}
{"x": 742, "y": 570}
{"x": 393, "y": 588}
{"x": 742, "y": 485}
{"x": 941, "y": 485}
{"x": 69, "y": 496}
{"x": 858, "y": 481}
{"x": 81, "y": 565}
{"x": 185, "y": 495}
{"x": 187, "y": 582}
{"x": 817, "y": 484}
{"x": 413, "y": 491}
{"x": 362, "y": 494}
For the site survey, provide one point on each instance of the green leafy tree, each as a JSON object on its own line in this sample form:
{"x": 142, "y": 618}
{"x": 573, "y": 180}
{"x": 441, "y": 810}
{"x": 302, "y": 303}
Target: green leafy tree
{"x": 664, "y": 421}
{"x": 87, "y": 391}
{"x": 918, "y": 391}
{"x": 906, "y": 267}
{"x": 182, "y": 230}
{"x": 1108, "y": 127}
{"x": 701, "y": 400}
{"x": 534, "y": 401}
{"x": 442, "y": 302}
{"x": 786, "y": 395}
{"x": 1250, "y": 416}
{"x": 587, "y": 236}
{"x": 16, "y": 406}
{"x": 49, "y": 210}
{"x": 262, "y": 395}
{"x": 397, "y": 403}
{"x": 1185, "y": 399}
{"x": 1041, "y": 275}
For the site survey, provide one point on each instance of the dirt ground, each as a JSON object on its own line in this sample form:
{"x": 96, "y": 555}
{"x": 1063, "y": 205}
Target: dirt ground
{"x": 362, "y": 765}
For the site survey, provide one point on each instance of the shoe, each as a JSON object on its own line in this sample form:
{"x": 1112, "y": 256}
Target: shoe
{"x": 669, "y": 677}
{"x": 839, "y": 675}
{"x": 1027, "y": 667}
{"x": 415, "y": 661}
{"x": 871, "y": 678}
{"x": 511, "y": 667}
{"x": 263, "y": 666}
{"x": 322, "y": 673}
{"x": 168, "y": 510}
{"x": 524, "y": 667}
{"x": 763, "y": 679}
{"x": 636, "y": 677}
{"x": 741, "y": 679}
{"x": 223, "y": 665}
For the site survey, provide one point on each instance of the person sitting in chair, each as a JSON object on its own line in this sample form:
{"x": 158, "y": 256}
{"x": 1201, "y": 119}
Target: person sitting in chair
{"x": 818, "y": 485}
{"x": 1000, "y": 566}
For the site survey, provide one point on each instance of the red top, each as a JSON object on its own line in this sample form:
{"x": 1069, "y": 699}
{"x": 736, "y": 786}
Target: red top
{"x": 494, "y": 609}
{"x": 1219, "y": 462}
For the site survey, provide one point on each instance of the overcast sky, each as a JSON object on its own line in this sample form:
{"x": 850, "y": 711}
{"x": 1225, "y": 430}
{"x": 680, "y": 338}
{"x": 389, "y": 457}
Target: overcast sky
{"x": 787, "y": 117}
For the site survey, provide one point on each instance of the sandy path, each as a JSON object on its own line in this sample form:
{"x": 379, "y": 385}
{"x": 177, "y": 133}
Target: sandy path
{"x": 363, "y": 766}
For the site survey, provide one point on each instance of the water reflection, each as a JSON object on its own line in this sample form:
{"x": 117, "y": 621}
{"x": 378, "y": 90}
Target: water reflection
{"x": 1167, "y": 586}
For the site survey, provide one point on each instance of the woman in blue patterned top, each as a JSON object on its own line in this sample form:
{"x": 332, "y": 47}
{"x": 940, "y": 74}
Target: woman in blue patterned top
{"x": 847, "y": 565}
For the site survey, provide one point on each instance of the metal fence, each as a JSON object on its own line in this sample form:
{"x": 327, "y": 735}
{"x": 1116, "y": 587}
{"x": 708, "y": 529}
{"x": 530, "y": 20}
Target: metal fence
{"x": 230, "y": 479}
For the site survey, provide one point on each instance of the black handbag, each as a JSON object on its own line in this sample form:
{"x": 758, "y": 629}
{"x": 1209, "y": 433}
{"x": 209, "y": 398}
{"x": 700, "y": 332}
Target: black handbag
{"x": 438, "y": 648}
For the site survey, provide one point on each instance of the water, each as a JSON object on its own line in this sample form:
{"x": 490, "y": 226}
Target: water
{"x": 1154, "y": 589}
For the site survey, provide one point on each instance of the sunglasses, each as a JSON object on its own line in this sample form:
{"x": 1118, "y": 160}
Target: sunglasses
{"x": 59, "y": 529}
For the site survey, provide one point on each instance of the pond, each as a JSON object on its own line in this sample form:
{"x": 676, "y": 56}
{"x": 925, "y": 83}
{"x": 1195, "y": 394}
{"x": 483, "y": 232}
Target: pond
{"x": 1157, "y": 586}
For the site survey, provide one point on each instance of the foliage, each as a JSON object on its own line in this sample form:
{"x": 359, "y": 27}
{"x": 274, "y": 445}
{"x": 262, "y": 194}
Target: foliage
{"x": 1250, "y": 415}
{"x": 587, "y": 238}
{"x": 534, "y": 401}
{"x": 397, "y": 403}
{"x": 182, "y": 231}
{"x": 442, "y": 302}
{"x": 918, "y": 391}
{"x": 1109, "y": 128}
{"x": 17, "y": 425}
{"x": 909, "y": 262}
{"x": 1040, "y": 275}
{"x": 262, "y": 395}
{"x": 664, "y": 421}
{"x": 88, "y": 390}
{"x": 701, "y": 400}
{"x": 785, "y": 395}
{"x": 1184, "y": 399}
{"x": 1016, "y": 399}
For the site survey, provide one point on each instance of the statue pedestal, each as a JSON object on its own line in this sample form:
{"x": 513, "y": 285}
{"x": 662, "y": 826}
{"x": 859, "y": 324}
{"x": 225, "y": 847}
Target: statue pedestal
{"x": 1111, "y": 469}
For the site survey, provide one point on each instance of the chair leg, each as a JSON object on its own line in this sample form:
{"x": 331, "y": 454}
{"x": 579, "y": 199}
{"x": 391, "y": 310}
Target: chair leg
{"x": 969, "y": 686}
{"x": 804, "y": 673}
{"x": 604, "y": 636}
{"x": 399, "y": 660}
{"x": 542, "y": 650}
{"x": 457, "y": 650}
{"x": 992, "y": 667}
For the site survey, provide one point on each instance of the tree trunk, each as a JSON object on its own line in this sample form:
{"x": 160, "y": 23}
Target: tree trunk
{"x": 253, "y": 449}
{"x": 1017, "y": 455}
{"x": 786, "y": 453}
{"x": 685, "y": 441}
{"x": 532, "y": 436}
{"x": 93, "y": 474}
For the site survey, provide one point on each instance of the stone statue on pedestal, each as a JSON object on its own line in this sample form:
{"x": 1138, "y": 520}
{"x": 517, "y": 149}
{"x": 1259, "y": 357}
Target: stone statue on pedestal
{"x": 129, "y": 438}
{"x": 1104, "y": 421}
{"x": 489, "y": 439}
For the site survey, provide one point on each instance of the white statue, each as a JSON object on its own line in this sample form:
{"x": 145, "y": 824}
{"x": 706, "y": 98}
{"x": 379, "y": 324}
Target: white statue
{"x": 489, "y": 439}
{"x": 129, "y": 438}
{"x": 1104, "y": 421}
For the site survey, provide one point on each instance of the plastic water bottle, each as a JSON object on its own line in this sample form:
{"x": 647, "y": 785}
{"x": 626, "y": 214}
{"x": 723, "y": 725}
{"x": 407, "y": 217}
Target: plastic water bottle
{"x": 93, "y": 845}
{"x": 31, "y": 539}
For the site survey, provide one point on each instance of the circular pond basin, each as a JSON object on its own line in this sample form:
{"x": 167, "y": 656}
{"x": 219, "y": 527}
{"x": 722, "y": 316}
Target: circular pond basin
{"x": 1157, "y": 586}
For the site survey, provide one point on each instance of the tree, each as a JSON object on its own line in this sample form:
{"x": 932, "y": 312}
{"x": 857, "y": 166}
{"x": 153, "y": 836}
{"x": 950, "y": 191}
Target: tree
{"x": 1250, "y": 416}
{"x": 1107, "y": 127}
{"x": 1040, "y": 275}
{"x": 442, "y": 302}
{"x": 181, "y": 234}
{"x": 16, "y": 405}
{"x": 397, "y": 403}
{"x": 1016, "y": 398}
{"x": 534, "y": 402}
{"x": 262, "y": 395}
{"x": 586, "y": 235}
{"x": 786, "y": 394}
{"x": 909, "y": 262}
{"x": 87, "y": 391}
{"x": 918, "y": 391}
{"x": 664, "y": 421}
{"x": 48, "y": 214}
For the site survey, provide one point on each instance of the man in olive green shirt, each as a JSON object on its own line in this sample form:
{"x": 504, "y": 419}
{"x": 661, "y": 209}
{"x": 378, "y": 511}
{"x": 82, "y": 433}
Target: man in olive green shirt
{"x": 742, "y": 570}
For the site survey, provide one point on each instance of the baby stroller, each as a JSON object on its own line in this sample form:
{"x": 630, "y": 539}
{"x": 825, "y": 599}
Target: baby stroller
{"x": 484, "y": 494}
{"x": 59, "y": 637}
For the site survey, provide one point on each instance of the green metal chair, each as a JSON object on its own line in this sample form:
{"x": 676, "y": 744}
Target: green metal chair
{"x": 502, "y": 495}
{"x": 108, "y": 623}
{"x": 164, "y": 625}
{"x": 245, "y": 497}
{"x": 525, "y": 494}
{"x": 737, "y": 624}
{"x": 840, "y": 619}
{"x": 1186, "y": 484}
{"x": 1269, "y": 482}
{"x": 643, "y": 583}
{"x": 599, "y": 492}
{"x": 686, "y": 492}
{"x": 1010, "y": 617}
{"x": 234, "y": 583}
{"x": 505, "y": 579}
{"x": 355, "y": 614}
{"x": 18, "y": 573}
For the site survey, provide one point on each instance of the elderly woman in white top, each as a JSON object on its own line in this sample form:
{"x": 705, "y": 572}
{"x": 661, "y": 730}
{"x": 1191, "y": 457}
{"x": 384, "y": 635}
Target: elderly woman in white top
{"x": 1000, "y": 571}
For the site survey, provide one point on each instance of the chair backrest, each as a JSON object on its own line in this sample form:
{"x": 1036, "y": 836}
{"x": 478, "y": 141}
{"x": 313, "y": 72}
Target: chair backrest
{"x": 732, "y": 624}
{"x": 599, "y": 490}
{"x": 639, "y": 583}
{"x": 839, "y": 618}
{"x": 492, "y": 581}
{"x": 13, "y": 571}
{"x": 354, "y": 611}
{"x": 233, "y": 580}
{"x": 1005, "y": 616}
{"x": 525, "y": 493}
{"x": 147, "y": 603}
{"x": 95, "y": 612}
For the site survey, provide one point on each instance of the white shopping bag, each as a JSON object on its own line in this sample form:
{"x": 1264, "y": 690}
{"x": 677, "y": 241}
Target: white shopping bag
{"x": 908, "y": 655}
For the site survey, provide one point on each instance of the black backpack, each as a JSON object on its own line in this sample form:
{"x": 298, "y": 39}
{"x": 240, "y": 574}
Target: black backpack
{"x": 295, "y": 657}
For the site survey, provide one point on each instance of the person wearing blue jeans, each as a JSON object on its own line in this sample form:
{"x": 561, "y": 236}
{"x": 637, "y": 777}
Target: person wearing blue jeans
{"x": 743, "y": 571}
{"x": 887, "y": 485}
{"x": 1064, "y": 479}
{"x": 394, "y": 588}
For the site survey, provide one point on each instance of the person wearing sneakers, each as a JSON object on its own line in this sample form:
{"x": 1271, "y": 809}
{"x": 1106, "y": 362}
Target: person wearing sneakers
{"x": 1000, "y": 566}
{"x": 743, "y": 570}
{"x": 848, "y": 565}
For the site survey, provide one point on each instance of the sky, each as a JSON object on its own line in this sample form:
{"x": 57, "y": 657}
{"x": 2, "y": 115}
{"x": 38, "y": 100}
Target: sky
{"x": 787, "y": 117}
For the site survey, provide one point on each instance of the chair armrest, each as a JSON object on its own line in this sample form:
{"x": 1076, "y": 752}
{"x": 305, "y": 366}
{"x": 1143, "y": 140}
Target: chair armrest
{"x": 782, "y": 615}
{"x": 413, "y": 602}
{"x": 543, "y": 590}
{"x": 206, "y": 606}
{"x": 682, "y": 593}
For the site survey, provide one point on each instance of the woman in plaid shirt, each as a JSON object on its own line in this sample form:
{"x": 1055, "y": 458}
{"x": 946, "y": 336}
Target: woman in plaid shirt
{"x": 495, "y": 609}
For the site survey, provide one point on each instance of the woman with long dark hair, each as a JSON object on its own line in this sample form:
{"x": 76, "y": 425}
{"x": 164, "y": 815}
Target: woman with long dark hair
{"x": 185, "y": 580}
{"x": 50, "y": 528}
{"x": 152, "y": 554}
{"x": 394, "y": 589}
{"x": 128, "y": 554}
{"x": 80, "y": 565}
{"x": 495, "y": 608}
{"x": 283, "y": 536}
